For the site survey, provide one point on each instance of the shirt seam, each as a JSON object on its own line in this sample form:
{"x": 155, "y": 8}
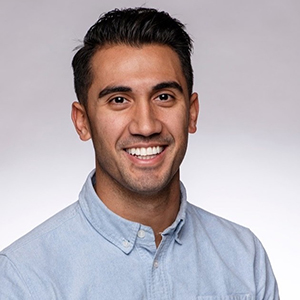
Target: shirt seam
{"x": 20, "y": 275}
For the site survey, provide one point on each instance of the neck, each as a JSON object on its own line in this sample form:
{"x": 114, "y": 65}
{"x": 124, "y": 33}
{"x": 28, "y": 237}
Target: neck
{"x": 157, "y": 210}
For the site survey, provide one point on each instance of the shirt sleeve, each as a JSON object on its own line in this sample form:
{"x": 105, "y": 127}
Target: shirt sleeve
{"x": 266, "y": 285}
{"x": 12, "y": 285}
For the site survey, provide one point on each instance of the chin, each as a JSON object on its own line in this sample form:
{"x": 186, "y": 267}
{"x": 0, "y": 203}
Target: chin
{"x": 148, "y": 187}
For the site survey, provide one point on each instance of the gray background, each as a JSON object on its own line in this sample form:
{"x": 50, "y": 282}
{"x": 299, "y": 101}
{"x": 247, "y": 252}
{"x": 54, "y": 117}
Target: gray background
{"x": 242, "y": 164}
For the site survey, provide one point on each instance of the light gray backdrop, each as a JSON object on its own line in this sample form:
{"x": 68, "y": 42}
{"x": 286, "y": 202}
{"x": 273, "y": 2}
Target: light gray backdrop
{"x": 242, "y": 164}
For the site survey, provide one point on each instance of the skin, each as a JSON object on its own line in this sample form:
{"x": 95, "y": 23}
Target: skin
{"x": 138, "y": 99}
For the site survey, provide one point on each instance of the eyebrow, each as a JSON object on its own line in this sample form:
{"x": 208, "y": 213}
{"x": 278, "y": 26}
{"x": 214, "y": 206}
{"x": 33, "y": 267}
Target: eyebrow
{"x": 114, "y": 89}
{"x": 168, "y": 85}
{"x": 163, "y": 85}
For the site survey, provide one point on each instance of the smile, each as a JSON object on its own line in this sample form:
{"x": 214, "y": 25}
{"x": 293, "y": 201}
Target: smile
{"x": 145, "y": 153}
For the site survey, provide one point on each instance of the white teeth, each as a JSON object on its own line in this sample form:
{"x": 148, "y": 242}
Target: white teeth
{"x": 142, "y": 153}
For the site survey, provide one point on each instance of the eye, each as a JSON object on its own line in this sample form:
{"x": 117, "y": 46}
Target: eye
{"x": 118, "y": 100}
{"x": 164, "y": 97}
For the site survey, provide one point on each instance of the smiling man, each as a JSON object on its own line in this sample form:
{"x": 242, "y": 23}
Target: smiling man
{"x": 138, "y": 114}
{"x": 132, "y": 234}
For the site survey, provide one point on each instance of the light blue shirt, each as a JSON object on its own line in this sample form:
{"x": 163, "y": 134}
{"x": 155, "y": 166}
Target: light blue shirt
{"x": 88, "y": 252}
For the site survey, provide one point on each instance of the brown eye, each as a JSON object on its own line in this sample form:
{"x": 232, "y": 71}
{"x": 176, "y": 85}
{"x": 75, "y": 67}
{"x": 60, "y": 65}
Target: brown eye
{"x": 164, "y": 97}
{"x": 118, "y": 100}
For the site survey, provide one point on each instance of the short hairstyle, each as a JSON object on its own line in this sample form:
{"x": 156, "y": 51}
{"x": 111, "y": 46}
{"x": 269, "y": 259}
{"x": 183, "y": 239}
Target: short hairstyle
{"x": 134, "y": 27}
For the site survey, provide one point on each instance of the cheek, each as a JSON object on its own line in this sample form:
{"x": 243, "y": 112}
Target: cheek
{"x": 177, "y": 122}
{"x": 109, "y": 128}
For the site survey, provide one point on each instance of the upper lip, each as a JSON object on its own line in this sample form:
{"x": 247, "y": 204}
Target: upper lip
{"x": 146, "y": 143}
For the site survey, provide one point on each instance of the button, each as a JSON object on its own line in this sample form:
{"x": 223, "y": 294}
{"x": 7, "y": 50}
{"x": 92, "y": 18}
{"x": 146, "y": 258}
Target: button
{"x": 126, "y": 244}
{"x": 141, "y": 233}
{"x": 155, "y": 264}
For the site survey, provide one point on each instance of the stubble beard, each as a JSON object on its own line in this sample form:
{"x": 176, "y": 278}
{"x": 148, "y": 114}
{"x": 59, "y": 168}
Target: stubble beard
{"x": 142, "y": 183}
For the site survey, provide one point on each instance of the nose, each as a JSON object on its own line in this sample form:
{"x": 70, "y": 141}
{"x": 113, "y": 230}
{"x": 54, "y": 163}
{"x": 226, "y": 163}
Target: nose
{"x": 145, "y": 121}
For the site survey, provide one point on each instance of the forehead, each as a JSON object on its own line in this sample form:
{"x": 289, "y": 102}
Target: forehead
{"x": 123, "y": 64}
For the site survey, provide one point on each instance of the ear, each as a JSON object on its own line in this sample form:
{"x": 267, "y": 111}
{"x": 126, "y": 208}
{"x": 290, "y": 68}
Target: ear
{"x": 193, "y": 113}
{"x": 80, "y": 121}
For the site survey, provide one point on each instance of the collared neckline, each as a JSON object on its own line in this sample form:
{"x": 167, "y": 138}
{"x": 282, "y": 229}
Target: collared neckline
{"x": 119, "y": 231}
{"x": 181, "y": 216}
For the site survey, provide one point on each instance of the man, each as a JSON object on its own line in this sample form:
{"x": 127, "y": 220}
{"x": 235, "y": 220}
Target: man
{"x": 132, "y": 234}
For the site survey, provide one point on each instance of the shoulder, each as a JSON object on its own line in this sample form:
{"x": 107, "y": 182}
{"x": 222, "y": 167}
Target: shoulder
{"x": 208, "y": 218}
{"x": 33, "y": 251}
{"x": 221, "y": 231}
{"x": 54, "y": 226}
{"x": 227, "y": 245}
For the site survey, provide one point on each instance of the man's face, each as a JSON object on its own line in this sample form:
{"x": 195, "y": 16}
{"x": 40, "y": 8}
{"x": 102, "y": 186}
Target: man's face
{"x": 139, "y": 115}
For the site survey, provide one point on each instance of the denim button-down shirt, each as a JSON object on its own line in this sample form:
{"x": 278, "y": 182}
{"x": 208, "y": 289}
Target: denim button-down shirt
{"x": 88, "y": 252}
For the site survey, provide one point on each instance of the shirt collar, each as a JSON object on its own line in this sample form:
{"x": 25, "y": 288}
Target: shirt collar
{"x": 181, "y": 216}
{"x": 119, "y": 231}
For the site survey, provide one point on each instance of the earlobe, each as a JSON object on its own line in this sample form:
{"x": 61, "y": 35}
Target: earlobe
{"x": 80, "y": 121}
{"x": 194, "y": 111}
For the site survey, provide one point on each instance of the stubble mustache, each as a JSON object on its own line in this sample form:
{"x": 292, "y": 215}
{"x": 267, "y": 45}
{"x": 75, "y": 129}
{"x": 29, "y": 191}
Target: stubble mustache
{"x": 155, "y": 139}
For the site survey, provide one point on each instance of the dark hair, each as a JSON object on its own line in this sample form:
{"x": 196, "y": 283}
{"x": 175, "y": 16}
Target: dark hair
{"x": 134, "y": 27}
